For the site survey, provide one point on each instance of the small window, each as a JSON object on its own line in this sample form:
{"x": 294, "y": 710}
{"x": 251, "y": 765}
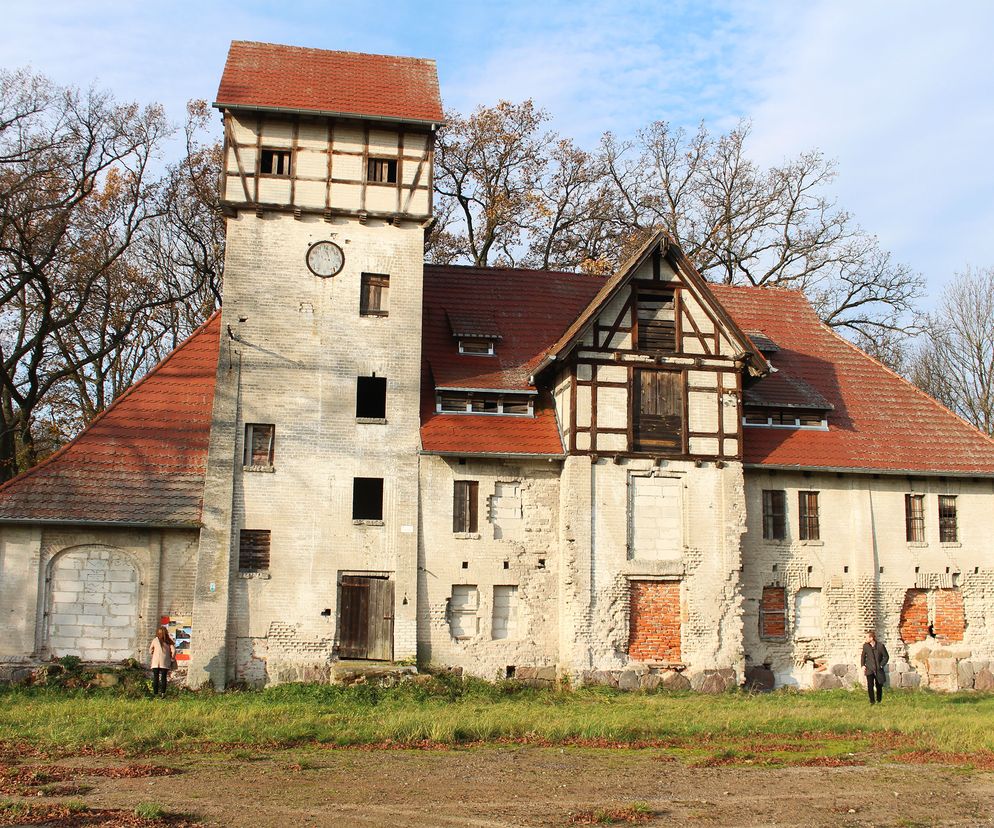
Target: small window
{"x": 253, "y": 550}
{"x": 382, "y": 170}
{"x": 464, "y": 606}
{"x": 773, "y": 613}
{"x": 809, "y": 526}
{"x": 259, "y": 439}
{"x": 371, "y": 398}
{"x": 774, "y": 514}
{"x": 947, "y": 519}
{"x": 373, "y": 294}
{"x": 519, "y": 405}
{"x": 465, "y": 506}
{"x": 656, "y": 321}
{"x": 453, "y": 403}
{"x": 485, "y": 405}
{"x": 275, "y": 162}
{"x": 367, "y": 498}
{"x": 914, "y": 518}
{"x": 476, "y": 347}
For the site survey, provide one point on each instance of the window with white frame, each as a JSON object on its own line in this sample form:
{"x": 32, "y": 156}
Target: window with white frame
{"x": 785, "y": 418}
{"x": 477, "y": 346}
{"x": 259, "y": 444}
{"x": 467, "y": 402}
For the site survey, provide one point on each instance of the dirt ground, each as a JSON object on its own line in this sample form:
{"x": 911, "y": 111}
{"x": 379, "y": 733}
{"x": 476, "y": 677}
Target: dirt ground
{"x": 532, "y": 786}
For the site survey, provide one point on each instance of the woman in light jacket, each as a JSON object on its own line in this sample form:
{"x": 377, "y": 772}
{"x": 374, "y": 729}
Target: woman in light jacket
{"x": 162, "y": 651}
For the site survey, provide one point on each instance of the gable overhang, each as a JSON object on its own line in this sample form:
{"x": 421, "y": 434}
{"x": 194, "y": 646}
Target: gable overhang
{"x": 430, "y": 126}
{"x": 658, "y": 244}
{"x": 865, "y": 470}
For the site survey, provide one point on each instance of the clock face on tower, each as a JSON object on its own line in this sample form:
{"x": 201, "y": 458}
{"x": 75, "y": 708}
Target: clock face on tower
{"x": 325, "y": 258}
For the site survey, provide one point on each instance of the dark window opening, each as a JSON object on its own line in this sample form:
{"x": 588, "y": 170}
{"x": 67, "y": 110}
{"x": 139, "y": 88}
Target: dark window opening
{"x": 465, "y": 506}
{"x": 809, "y": 526}
{"x": 367, "y": 498}
{"x": 795, "y": 417}
{"x": 914, "y": 517}
{"x": 259, "y": 444}
{"x": 253, "y": 550}
{"x": 382, "y": 170}
{"x": 374, "y": 294}
{"x": 658, "y": 410}
{"x": 477, "y": 347}
{"x": 947, "y": 519}
{"x": 774, "y": 514}
{"x": 275, "y": 162}
{"x": 454, "y": 402}
{"x": 656, "y": 321}
{"x": 371, "y": 397}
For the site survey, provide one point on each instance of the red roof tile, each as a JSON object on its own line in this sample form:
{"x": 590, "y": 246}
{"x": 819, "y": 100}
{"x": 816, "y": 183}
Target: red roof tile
{"x": 269, "y": 76}
{"x": 492, "y": 434}
{"x": 142, "y": 460}
{"x": 880, "y": 422}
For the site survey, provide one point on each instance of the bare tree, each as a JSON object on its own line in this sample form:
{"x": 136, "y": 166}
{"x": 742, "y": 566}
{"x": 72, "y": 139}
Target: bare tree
{"x": 955, "y": 362}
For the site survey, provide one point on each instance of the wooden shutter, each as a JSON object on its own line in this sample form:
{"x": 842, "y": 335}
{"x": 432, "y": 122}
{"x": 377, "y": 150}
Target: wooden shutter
{"x": 253, "y": 550}
{"x": 465, "y": 506}
{"x": 380, "y": 620}
{"x": 658, "y": 410}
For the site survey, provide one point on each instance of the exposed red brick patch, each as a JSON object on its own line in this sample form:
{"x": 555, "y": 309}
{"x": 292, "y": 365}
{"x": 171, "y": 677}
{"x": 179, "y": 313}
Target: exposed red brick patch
{"x": 913, "y": 625}
{"x": 773, "y": 613}
{"x": 950, "y": 618}
{"x": 654, "y": 629}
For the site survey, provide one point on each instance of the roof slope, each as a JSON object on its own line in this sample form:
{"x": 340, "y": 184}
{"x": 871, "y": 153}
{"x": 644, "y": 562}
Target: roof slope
{"x": 880, "y": 421}
{"x": 270, "y": 76}
{"x": 142, "y": 460}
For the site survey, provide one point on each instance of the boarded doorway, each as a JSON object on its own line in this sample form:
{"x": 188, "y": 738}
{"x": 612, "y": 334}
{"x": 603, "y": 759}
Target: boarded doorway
{"x": 365, "y": 618}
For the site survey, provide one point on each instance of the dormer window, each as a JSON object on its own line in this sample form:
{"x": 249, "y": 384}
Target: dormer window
{"x": 476, "y": 402}
{"x": 477, "y": 347}
{"x": 785, "y": 418}
{"x": 275, "y": 162}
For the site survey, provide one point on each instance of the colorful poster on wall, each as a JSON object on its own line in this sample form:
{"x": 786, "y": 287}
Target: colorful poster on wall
{"x": 180, "y": 628}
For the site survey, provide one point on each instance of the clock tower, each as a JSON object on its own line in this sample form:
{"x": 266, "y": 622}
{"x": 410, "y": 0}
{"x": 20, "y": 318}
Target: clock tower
{"x": 309, "y": 545}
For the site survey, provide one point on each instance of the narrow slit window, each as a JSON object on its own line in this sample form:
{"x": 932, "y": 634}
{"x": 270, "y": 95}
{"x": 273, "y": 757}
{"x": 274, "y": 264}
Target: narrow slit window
{"x": 371, "y": 398}
{"x": 382, "y": 170}
{"x": 774, "y": 514}
{"x": 465, "y": 506}
{"x": 914, "y": 517}
{"x": 275, "y": 162}
{"x": 367, "y": 498}
{"x": 374, "y": 295}
{"x": 809, "y": 523}
{"x": 259, "y": 444}
{"x": 948, "y": 531}
{"x": 253, "y": 550}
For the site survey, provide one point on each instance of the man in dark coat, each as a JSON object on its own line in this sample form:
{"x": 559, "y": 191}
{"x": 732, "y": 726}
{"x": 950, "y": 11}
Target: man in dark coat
{"x": 874, "y": 658}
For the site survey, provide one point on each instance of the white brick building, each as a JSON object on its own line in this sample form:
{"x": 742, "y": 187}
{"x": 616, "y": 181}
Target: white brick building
{"x": 642, "y": 480}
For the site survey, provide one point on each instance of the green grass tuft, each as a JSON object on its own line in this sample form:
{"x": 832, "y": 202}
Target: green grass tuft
{"x": 149, "y": 810}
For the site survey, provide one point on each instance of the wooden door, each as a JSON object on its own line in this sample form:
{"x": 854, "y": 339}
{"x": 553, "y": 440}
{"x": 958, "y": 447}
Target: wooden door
{"x": 658, "y": 410}
{"x": 366, "y": 618}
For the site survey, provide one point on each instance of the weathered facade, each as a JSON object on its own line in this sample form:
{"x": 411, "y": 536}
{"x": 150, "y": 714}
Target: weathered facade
{"x": 645, "y": 480}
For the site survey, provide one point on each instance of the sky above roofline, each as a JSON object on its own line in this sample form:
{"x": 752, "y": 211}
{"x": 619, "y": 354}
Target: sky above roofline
{"x": 899, "y": 93}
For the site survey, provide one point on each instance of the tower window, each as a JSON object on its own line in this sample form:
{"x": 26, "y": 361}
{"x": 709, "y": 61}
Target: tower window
{"x": 371, "y": 397}
{"x": 367, "y": 498}
{"x": 382, "y": 170}
{"x": 275, "y": 162}
{"x": 374, "y": 293}
{"x": 259, "y": 440}
{"x": 253, "y": 550}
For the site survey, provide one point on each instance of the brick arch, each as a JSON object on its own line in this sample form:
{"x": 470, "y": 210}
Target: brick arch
{"x": 92, "y": 603}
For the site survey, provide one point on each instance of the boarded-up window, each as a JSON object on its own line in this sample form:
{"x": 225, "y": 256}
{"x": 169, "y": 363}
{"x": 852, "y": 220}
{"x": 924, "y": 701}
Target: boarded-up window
{"x": 656, "y": 321}
{"x": 914, "y": 518}
{"x": 374, "y": 294}
{"x": 774, "y": 514}
{"x": 259, "y": 439}
{"x": 947, "y": 519}
{"x": 773, "y": 613}
{"x": 807, "y": 613}
{"x": 505, "y": 616}
{"x": 367, "y": 498}
{"x": 464, "y": 606}
{"x": 465, "y": 506}
{"x": 371, "y": 398}
{"x": 275, "y": 162}
{"x": 382, "y": 170}
{"x": 654, "y": 621}
{"x": 655, "y": 525}
{"x": 810, "y": 528}
{"x": 658, "y": 410}
{"x": 913, "y": 625}
{"x": 253, "y": 550}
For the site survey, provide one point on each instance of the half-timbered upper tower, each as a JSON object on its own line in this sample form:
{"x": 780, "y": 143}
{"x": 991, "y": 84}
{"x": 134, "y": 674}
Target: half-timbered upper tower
{"x": 313, "y": 456}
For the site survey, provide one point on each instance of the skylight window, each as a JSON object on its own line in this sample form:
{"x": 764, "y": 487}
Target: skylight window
{"x": 467, "y": 402}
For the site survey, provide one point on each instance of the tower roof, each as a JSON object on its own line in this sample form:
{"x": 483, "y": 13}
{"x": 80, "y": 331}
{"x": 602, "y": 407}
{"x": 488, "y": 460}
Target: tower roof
{"x": 267, "y": 76}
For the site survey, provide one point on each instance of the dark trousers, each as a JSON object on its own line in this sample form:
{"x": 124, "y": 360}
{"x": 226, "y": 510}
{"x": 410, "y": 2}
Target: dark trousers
{"x": 159, "y": 675}
{"x": 871, "y": 680}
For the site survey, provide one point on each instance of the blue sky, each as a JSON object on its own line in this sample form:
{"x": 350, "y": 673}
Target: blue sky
{"x": 901, "y": 94}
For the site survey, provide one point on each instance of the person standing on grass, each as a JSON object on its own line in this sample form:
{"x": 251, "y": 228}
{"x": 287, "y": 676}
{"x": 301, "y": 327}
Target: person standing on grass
{"x": 874, "y": 658}
{"x": 163, "y": 652}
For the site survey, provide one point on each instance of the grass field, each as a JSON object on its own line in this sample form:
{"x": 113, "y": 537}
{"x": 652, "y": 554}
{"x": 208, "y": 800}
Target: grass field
{"x": 451, "y": 711}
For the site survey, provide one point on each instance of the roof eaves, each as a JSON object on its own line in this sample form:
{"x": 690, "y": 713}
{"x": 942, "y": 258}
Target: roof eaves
{"x": 328, "y": 113}
{"x": 525, "y": 455}
{"x": 124, "y": 524}
{"x": 866, "y": 470}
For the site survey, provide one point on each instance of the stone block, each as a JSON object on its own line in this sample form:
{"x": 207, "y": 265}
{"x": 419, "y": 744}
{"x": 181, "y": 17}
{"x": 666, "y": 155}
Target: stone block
{"x": 524, "y": 673}
{"x": 675, "y": 681}
{"x": 984, "y": 680}
{"x": 910, "y": 680}
{"x": 964, "y": 675}
{"x": 605, "y": 678}
{"x": 545, "y": 673}
{"x": 652, "y": 681}
{"x": 898, "y": 665}
{"x": 826, "y": 681}
{"x": 980, "y": 664}
{"x": 938, "y": 666}
{"x": 759, "y": 678}
{"x": 105, "y": 680}
{"x": 939, "y": 653}
{"x": 710, "y": 681}
{"x": 944, "y": 683}
{"x": 126, "y": 588}
{"x": 628, "y": 680}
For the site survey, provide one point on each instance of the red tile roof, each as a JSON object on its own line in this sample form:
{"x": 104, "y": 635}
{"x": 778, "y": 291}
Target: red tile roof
{"x": 491, "y": 433}
{"x": 269, "y": 76}
{"x": 880, "y": 421}
{"x": 142, "y": 460}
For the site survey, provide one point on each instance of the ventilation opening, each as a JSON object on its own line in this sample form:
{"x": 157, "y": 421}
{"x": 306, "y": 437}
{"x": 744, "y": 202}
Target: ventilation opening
{"x": 382, "y": 170}
{"x": 367, "y": 498}
{"x": 509, "y": 671}
{"x": 275, "y": 162}
{"x": 371, "y": 397}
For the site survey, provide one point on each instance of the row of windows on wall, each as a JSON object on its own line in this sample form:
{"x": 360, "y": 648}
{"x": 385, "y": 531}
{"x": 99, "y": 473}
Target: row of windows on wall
{"x": 785, "y": 418}
{"x": 463, "y": 611}
{"x": 809, "y": 527}
{"x": 280, "y": 162}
